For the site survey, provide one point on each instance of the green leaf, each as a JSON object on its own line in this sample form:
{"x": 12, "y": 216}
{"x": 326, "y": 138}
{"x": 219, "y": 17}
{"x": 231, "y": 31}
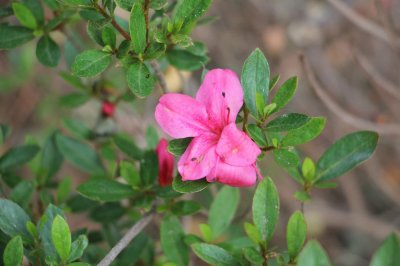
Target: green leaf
{"x": 6, "y": 11}
{"x": 129, "y": 173}
{"x": 313, "y": 255}
{"x": 140, "y": 80}
{"x": 345, "y": 154}
{"x": 78, "y": 128}
{"x": 206, "y": 232}
{"x": 253, "y": 233}
{"x": 79, "y": 154}
{"x": 79, "y": 264}
{"x": 302, "y": 196}
{"x": 52, "y": 159}
{"x": 255, "y": 82}
{"x": 24, "y": 15}
{"x": 22, "y": 193}
{"x": 214, "y": 255}
{"x": 287, "y": 122}
{"x": 13, "y": 36}
{"x": 266, "y": 208}
{"x": 90, "y": 63}
{"x": 152, "y": 138}
{"x": 188, "y": 12}
{"x": 74, "y": 99}
{"x": 186, "y": 60}
{"x": 296, "y": 234}
{"x": 109, "y": 37}
{"x": 47, "y": 51}
{"x": 35, "y": 6}
{"x": 305, "y": 133}
{"x": 61, "y": 236}
{"x": 14, "y": 252}
{"x": 64, "y": 189}
{"x": 178, "y": 146}
{"x": 182, "y": 208}
{"x": 74, "y": 81}
{"x": 4, "y": 133}
{"x": 137, "y": 28}
{"x": 78, "y": 248}
{"x": 127, "y": 146}
{"x": 308, "y": 169}
{"x": 257, "y": 135}
{"x": 103, "y": 189}
{"x": 388, "y": 254}
{"x": 17, "y": 156}
{"x": 286, "y": 158}
{"x": 13, "y": 219}
{"x": 285, "y": 94}
{"x": 223, "y": 209}
{"x": 149, "y": 168}
{"x": 172, "y": 241}
{"x": 274, "y": 80}
{"x": 253, "y": 255}
{"x": 126, "y": 4}
{"x": 189, "y": 186}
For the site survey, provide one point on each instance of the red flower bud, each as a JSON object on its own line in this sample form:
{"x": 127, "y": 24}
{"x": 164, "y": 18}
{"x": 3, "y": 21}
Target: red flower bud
{"x": 107, "y": 109}
{"x": 165, "y": 164}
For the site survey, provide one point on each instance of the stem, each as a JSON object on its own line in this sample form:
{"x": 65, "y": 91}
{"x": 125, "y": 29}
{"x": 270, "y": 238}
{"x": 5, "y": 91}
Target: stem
{"x": 160, "y": 76}
{"x": 146, "y": 17}
{"x": 245, "y": 117}
{"x": 113, "y": 22}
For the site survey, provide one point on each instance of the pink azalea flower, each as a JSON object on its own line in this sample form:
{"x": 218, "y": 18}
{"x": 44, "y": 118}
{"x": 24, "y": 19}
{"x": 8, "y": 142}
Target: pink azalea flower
{"x": 219, "y": 150}
{"x": 165, "y": 164}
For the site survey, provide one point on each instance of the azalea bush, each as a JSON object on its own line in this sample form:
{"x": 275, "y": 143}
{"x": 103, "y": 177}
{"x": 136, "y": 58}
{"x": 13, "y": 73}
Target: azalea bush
{"x": 141, "y": 197}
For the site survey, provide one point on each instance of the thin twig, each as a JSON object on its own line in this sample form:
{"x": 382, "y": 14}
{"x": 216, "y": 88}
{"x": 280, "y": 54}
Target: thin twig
{"x": 131, "y": 234}
{"x": 376, "y": 77}
{"x": 352, "y": 120}
{"x": 113, "y": 22}
{"x": 364, "y": 24}
{"x": 159, "y": 74}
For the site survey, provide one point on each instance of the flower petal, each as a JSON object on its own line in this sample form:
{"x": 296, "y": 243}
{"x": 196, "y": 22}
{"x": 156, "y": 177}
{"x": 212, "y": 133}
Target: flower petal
{"x": 236, "y": 176}
{"x": 165, "y": 163}
{"x": 222, "y": 95}
{"x": 236, "y": 148}
{"x": 199, "y": 158}
{"x": 181, "y": 116}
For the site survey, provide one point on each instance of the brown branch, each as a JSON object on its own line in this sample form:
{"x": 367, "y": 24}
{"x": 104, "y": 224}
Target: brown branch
{"x": 113, "y": 22}
{"x": 352, "y": 120}
{"x": 364, "y": 24}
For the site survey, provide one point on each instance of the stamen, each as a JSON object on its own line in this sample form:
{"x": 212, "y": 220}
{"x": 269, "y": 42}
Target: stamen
{"x": 223, "y": 94}
{"x": 229, "y": 112}
{"x": 193, "y": 159}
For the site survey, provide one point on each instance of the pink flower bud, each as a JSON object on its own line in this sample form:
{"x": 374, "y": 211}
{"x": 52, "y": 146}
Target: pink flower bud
{"x": 107, "y": 109}
{"x": 165, "y": 163}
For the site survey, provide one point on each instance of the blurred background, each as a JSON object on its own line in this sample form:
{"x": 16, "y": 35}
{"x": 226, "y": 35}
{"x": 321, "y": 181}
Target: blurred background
{"x": 353, "y": 74}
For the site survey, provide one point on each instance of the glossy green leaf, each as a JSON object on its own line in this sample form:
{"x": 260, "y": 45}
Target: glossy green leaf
{"x": 61, "y": 236}
{"x": 14, "y": 252}
{"x": 13, "y": 219}
{"x": 140, "y": 80}
{"x": 296, "y": 233}
{"x": 388, "y": 254}
{"x": 47, "y": 51}
{"x": 79, "y": 154}
{"x": 188, "y": 12}
{"x": 285, "y": 94}
{"x": 287, "y": 122}
{"x": 90, "y": 63}
{"x": 255, "y": 82}
{"x": 223, "y": 209}
{"x": 24, "y": 15}
{"x": 178, "y": 146}
{"x": 103, "y": 189}
{"x": 257, "y": 135}
{"x": 305, "y": 133}
{"x": 137, "y": 28}
{"x": 172, "y": 241}
{"x": 266, "y": 208}
{"x": 78, "y": 248}
{"x": 345, "y": 154}
{"x": 214, "y": 255}
{"x": 109, "y": 37}
{"x": 17, "y": 156}
{"x": 189, "y": 186}
{"x": 13, "y": 36}
{"x": 35, "y": 6}
{"x": 313, "y": 255}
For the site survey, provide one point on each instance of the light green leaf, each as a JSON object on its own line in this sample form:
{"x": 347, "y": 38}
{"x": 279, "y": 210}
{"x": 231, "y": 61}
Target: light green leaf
{"x": 137, "y": 28}
{"x": 188, "y": 12}
{"x": 47, "y": 51}
{"x": 308, "y": 169}
{"x": 388, "y": 254}
{"x": 285, "y": 94}
{"x": 14, "y": 252}
{"x": 345, "y": 154}
{"x": 189, "y": 186}
{"x": 90, "y": 63}
{"x": 305, "y": 133}
{"x": 266, "y": 208}
{"x": 103, "y": 189}
{"x": 296, "y": 234}
{"x": 172, "y": 241}
{"x": 13, "y": 36}
{"x": 129, "y": 173}
{"x": 24, "y": 15}
{"x": 61, "y": 236}
{"x": 140, "y": 80}
{"x": 214, "y": 255}
{"x": 223, "y": 209}
{"x": 313, "y": 255}
{"x": 45, "y": 230}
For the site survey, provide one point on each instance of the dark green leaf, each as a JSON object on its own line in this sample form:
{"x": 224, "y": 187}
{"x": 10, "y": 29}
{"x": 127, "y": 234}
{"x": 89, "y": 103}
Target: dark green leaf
{"x": 137, "y": 28}
{"x": 149, "y": 168}
{"x": 103, "y": 189}
{"x": 14, "y": 252}
{"x": 108, "y": 212}
{"x": 78, "y": 128}
{"x": 129, "y": 173}
{"x": 296, "y": 234}
{"x": 313, "y": 255}
{"x": 126, "y": 4}
{"x": 182, "y": 208}
{"x": 257, "y": 135}
{"x": 127, "y": 146}
{"x": 13, "y": 219}
{"x": 24, "y": 15}
{"x": 17, "y": 156}
{"x": 47, "y": 51}
{"x": 305, "y": 133}
{"x": 188, "y": 12}
{"x": 52, "y": 159}
{"x": 178, "y": 146}
{"x": 140, "y": 80}
{"x": 189, "y": 186}
{"x": 388, "y": 254}
{"x": 13, "y": 36}
{"x": 185, "y": 60}
{"x": 286, "y": 158}
{"x": 35, "y": 6}
{"x": 285, "y": 93}
{"x": 74, "y": 99}
{"x": 158, "y": 4}
{"x": 79, "y": 154}
{"x": 287, "y": 122}
{"x": 4, "y": 133}
{"x": 5, "y": 11}
{"x": 223, "y": 209}
{"x": 214, "y": 255}
{"x": 255, "y": 82}
{"x": 90, "y": 63}
{"x": 64, "y": 189}
{"x": 345, "y": 154}
{"x": 78, "y": 248}
{"x": 61, "y": 236}
{"x": 172, "y": 241}
{"x": 22, "y": 193}
{"x": 74, "y": 81}
{"x": 266, "y": 208}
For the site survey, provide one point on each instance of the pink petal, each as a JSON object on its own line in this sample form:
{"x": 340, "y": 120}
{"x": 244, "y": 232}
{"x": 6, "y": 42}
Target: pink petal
{"x": 222, "y": 95}
{"x": 236, "y": 148}
{"x": 165, "y": 163}
{"x": 236, "y": 176}
{"x": 181, "y": 116}
{"x": 199, "y": 158}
